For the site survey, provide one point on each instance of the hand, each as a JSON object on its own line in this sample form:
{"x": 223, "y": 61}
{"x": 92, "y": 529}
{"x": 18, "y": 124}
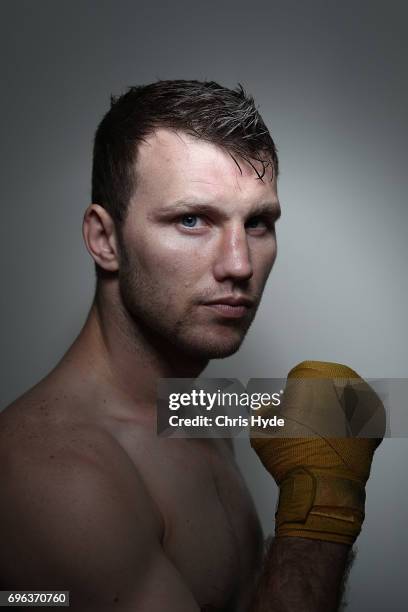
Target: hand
{"x": 321, "y": 476}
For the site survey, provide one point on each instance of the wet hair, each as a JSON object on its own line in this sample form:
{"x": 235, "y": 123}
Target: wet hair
{"x": 224, "y": 117}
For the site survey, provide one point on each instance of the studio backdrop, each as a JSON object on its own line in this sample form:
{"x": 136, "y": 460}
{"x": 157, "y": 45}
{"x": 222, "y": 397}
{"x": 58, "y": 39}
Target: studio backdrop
{"x": 330, "y": 81}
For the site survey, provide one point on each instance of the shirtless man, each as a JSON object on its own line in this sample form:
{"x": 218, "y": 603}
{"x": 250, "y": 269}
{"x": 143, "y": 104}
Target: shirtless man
{"x": 182, "y": 232}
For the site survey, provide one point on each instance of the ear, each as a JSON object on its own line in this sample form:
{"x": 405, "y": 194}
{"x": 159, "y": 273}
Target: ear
{"x": 98, "y": 230}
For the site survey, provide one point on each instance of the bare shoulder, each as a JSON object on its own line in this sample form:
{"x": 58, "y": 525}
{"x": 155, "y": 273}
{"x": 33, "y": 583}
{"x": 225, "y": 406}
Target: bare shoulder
{"x": 59, "y": 451}
{"x": 75, "y": 514}
{"x": 74, "y": 510}
{"x": 52, "y": 424}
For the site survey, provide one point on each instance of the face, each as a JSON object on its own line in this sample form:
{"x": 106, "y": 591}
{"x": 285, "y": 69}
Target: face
{"x": 198, "y": 244}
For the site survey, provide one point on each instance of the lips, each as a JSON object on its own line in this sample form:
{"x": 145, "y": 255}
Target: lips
{"x": 231, "y": 307}
{"x": 232, "y": 301}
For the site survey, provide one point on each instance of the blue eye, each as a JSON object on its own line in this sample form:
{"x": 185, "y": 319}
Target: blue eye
{"x": 254, "y": 222}
{"x": 189, "y": 220}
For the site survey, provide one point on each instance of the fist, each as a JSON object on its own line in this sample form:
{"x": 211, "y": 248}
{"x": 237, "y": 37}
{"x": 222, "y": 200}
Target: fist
{"x": 319, "y": 463}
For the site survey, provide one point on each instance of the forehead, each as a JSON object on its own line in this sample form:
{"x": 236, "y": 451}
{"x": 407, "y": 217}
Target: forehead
{"x": 172, "y": 165}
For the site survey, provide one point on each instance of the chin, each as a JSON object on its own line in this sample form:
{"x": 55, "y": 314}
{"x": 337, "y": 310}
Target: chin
{"x": 212, "y": 348}
{"x": 224, "y": 352}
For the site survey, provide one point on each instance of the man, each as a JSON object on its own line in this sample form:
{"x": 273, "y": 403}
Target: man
{"x": 182, "y": 232}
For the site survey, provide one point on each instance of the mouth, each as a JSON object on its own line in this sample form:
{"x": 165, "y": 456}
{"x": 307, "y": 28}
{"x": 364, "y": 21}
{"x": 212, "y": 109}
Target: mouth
{"x": 231, "y": 307}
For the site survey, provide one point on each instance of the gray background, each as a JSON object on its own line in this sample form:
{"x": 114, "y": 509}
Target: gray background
{"x": 331, "y": 82}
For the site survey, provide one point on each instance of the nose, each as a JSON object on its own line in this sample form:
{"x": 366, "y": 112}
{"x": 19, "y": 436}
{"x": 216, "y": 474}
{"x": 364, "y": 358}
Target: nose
{"x": 233, "y": 259}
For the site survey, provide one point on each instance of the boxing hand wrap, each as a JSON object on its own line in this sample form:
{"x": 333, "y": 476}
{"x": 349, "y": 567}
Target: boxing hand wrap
{"x": 321, "y": 479}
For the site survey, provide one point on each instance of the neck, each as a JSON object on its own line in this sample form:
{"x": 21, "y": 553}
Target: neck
{"x": 127, "y": 356}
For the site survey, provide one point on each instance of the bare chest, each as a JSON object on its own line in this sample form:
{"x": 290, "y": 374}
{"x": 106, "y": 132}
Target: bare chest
{"x": 211, "y": 532}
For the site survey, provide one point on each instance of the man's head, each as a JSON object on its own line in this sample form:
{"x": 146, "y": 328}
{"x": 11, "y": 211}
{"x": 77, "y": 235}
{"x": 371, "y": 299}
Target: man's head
{"x": 184, "y": 192}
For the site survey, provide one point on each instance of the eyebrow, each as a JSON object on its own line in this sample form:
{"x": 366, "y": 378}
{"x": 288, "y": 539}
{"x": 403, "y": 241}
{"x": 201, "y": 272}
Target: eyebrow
{"x": 271, "y": 209}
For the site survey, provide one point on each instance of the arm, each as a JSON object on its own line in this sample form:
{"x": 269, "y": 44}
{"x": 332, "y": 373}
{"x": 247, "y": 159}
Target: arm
{"x": 69, "y": 525}
{"x": 322, "y": 487}
{"x": 302, "y": 575}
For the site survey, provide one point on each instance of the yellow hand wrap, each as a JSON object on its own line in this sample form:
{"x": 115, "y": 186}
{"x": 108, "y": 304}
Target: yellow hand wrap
{"x": 322, "y": 480}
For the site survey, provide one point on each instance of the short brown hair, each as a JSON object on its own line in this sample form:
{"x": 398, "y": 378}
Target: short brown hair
{"x": 204, "y": 109}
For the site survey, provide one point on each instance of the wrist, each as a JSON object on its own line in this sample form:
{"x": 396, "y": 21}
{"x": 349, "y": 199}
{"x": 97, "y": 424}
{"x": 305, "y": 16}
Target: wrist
{"x": 318, "y": 505}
